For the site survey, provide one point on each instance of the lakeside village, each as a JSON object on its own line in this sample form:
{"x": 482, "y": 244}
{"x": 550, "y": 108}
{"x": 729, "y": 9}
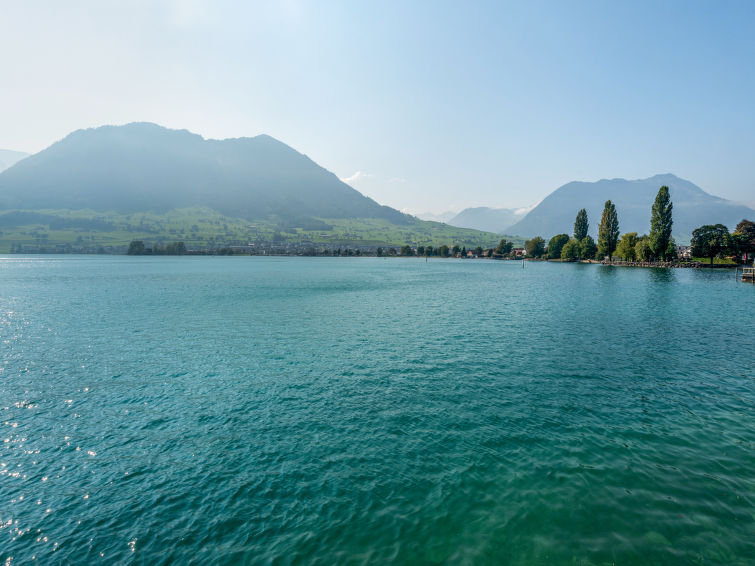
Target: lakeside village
{"x": 710, "y": 242}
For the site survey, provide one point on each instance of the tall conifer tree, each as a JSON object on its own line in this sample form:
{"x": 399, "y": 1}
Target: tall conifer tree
{"x": 608, "y": 231}
{"x": 580, "y": 225}
{"x": 661, "y": 223}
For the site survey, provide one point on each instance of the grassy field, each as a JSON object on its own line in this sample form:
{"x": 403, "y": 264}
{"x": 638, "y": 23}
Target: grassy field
{"x": 204, "y": 228}
{"x": 716, "y": 261}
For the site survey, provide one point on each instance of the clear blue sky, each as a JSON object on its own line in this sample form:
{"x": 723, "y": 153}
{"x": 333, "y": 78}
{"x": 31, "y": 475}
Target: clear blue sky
{"x": 424, "y": 106}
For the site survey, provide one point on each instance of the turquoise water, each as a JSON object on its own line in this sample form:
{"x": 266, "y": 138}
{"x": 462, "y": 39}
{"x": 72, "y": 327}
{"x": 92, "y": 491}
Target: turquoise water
{"x": 369, "y": 411}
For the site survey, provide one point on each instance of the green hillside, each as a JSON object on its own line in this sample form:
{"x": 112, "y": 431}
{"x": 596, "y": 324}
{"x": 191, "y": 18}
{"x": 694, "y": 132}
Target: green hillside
{"x": 202, "y": 228}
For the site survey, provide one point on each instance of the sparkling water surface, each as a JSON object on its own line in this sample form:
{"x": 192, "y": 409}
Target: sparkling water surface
{"x": 370, "y": 411}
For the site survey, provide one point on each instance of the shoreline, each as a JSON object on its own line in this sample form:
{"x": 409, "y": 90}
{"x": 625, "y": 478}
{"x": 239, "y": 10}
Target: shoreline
{"x": 615, "y": 263}
{"x": 672, "y": 264}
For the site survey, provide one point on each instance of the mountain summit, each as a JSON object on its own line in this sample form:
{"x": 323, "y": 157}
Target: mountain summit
{"x": 143, "y": 166}
{"x": 693, "y": 207}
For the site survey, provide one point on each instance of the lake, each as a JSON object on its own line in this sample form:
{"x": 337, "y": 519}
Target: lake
{"x": 248, "y": 410}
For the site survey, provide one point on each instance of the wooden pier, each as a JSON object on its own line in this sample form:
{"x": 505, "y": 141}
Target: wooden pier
{"x": 748, "y": 274}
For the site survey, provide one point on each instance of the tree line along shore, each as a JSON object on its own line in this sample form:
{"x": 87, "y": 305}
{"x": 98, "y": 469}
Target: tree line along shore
{"x": 709, "y": 241}
{"x": 654, "y": 249}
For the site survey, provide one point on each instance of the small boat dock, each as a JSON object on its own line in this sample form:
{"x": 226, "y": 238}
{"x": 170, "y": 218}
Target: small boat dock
{"x": 748, "y": 274}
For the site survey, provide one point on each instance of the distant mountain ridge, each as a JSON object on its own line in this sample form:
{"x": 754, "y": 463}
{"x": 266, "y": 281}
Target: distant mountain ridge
{"x": 8, "y": 158}
{"x": 496, "y": 220}
{"x": 693, "y": 207}
{"x": 433, "y": 217}
{"x": 143, "y": 166}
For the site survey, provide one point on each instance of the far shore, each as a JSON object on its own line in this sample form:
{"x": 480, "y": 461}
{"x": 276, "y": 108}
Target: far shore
{"x": 616, "y": 263}
{"x": 675, "y": 264}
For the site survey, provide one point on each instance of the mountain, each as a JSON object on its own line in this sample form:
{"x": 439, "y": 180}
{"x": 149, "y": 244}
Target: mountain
{"x": 8, "y": 158}
{"x": 145, "y": 167}
{"x": 693, "y": 207}
{"x": 432, "y": 217}
{"x": 496, "y": 220}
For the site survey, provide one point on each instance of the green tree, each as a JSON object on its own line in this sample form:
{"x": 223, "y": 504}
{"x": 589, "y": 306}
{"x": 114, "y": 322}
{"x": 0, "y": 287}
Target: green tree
{"x": 504, "y": 247}
{"x": 711, "y": 240}
{"x": 625, "y": 247}
{"x": 642, "y": 250}
{"x": 478, "y": 251}
{"x": 379, "y": 251}
{"x": 456, "y": 249}
{"x": 581, "y": 226}
{"x": 587, "y": 248}
{"x": 429, "y": 250}
{"x": 535, "y": 247}
{"x": 608, "y": 231}
{"x": 670, "y": 254}
{"x": 420, "y": 250}
{"x": 661, "y": 222}
{"x": 136, "y": 247}
{"x": 175, "y": 248}
{"x": 444, "y": 251}
{"x": 406, "y": 250}
{"x": 743, "y": 238}
{"x": 556, "y": 244}
{"x": 570, "y": 250}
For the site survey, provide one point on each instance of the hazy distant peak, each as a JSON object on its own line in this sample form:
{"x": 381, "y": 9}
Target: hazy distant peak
{"x": 433, "y": 216}
{"x": 268, "y": 138}
{"x": 666, "y": 176}
{"x": 9, "y": 157}
{"x": 488, "y": 219}
{"x": 693, "y": 207}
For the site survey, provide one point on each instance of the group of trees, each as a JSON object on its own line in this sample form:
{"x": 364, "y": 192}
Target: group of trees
{"x": 350, "y": 252}
{"x": 657, "y": 245}
{"x": 535, "y": 247}
{"x": 709, "y": 241}
{"x": 580, "y": 246}
{"x": 137, "y": 247}
{"x": 632, "y": 247}
{"x": 714, "y": 240}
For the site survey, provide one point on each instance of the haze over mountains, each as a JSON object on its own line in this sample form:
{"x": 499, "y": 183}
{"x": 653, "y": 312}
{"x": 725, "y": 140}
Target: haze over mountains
{"x": 693, "y": 207}
{"x": 496, "y": 220}
{"x": 436, "y": 217}
{"x": 143, "y": 166}
{"x": 8, "y": 158}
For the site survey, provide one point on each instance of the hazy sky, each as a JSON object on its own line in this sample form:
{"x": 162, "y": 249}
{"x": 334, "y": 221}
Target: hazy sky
{"x": 424, "y": 105}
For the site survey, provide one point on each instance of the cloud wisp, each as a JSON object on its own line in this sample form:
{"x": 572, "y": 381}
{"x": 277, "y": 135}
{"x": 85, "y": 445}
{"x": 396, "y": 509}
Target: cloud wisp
{"x": 359, "y": 175}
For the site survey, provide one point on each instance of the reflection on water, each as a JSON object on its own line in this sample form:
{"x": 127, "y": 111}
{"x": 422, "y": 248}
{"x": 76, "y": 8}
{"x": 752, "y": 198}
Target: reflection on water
{"x": 662, "y": 274}
{"x": 607, "y": 271}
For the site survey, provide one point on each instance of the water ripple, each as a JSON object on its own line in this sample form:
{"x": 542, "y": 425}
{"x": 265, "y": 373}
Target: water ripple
{"x": 323, "y": 411}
